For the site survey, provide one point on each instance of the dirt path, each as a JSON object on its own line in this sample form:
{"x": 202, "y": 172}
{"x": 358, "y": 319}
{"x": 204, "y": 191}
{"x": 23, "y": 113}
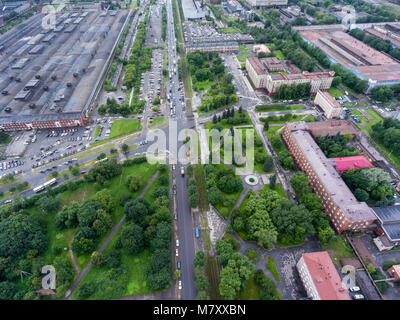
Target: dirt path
{"x": 114, "y": 230}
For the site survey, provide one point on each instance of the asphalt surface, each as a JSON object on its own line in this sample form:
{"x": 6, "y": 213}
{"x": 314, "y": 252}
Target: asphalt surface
{"x": 185, "y": 223}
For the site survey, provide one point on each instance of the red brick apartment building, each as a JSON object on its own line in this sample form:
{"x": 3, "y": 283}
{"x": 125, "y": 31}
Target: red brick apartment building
{"x": 344, "y": 211}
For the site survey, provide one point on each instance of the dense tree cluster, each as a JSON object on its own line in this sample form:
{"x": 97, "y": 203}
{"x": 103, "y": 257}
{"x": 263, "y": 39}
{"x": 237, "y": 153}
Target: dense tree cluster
{"x": 148, "y": 226}
{"x": 102, "y": 172}
{"x": 311, "y": 201}
{"x": 236, "y": 270}
{"x": 336, "y": 146}
{"x": 388, "y": 134}
{"x": 221, "y": 180}
{"x": 293, "y": 91}
{"x": 371, "y": 184}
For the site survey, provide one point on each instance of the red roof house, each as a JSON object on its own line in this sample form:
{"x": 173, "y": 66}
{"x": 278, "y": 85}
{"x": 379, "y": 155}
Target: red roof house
{"x": 320, "y": 278}
{"x": 354, "y": 162}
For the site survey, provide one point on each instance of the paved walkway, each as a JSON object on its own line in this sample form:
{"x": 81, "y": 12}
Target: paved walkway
{"x": 104, "y": 244}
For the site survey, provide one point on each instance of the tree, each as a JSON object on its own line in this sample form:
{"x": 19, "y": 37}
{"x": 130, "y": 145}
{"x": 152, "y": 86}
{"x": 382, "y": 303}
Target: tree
{"x": 7, "y": 290}
{"x": 132, "y": 238}
{"x": 54, "y": 174}
{"x": 266, "y": 125}
{"x": 272, "y": 182}
{"x": 201, "y": 283}
{"x": 199, "y": 259}
{"x": 292, "y": 220}
{"x": 268, "y": 164}
{"x": 97, "y": 259}
{"x": 86, "y": 289}
{"x": 325, "y": 234}
{"x": 134, "y": 182}
{"x": 224, "y": 250}
{"x": 124, "y": 148}
{"x": 49, "y": 204}
{"x": 235, "y": 275}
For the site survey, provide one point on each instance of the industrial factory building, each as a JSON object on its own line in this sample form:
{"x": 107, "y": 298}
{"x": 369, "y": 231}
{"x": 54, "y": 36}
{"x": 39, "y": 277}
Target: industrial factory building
{"x": 378, "y": 68}
{"x": 48, "y": 76}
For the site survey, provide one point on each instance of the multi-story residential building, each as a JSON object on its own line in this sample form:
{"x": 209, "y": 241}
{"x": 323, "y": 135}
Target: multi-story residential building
{"x": 257, "y": 72}
{"x": 320, "y": 278}
{"x": 331, "y": 107}
{"x": 267, "y": 3}
{"x": 345, "y": 212}
{"x": 318, "y": 80}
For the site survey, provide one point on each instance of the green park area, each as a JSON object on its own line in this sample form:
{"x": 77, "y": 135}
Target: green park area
{"x": 229, "y": 30}
{"x": 70, "y": 222}
{"x": 277, "y": 107}
{"x": 156, "y": 121}
{"x": 124, "y": 127}
{"x": 335, "y": 92}
{"x": 278, "y": 54}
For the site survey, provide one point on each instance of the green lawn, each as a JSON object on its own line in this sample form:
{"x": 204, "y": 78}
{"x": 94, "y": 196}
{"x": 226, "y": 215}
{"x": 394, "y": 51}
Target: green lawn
{"x": 355, "y": 112}
{"x": 200, "y": 86}
{"x": 335, "y": 92}
{"x": 124, "y": 127}
{"x": 277, "y": 107}
{"x": 338, "y": 249}
{"x": 243, "y": 57}
{"x": 252, "y": 291}
{"x": 278, "y": 54}
{"x": 156, "y": 121}
{"x": 229, "y": 30}
{"x": 295, "y": 117}
{"x": 243, "y": 49}
{"x": 96, "y": 132}
{"x": 272, "y": 131}
{"x": 278, "y": 188}
{"x": 271, "y": 266}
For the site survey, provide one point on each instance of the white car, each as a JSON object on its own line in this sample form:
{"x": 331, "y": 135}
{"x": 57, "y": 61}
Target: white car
{"x": 180, "y": 285}
{"x": 354, "y": 289}
{"x": 358, "y": 297}
{"x": 177, "y": 243}
{"x": 176, "y": 252}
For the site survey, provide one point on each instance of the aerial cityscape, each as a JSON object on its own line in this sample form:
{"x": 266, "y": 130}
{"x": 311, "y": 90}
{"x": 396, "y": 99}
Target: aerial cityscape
{"x": 227, "y": 150}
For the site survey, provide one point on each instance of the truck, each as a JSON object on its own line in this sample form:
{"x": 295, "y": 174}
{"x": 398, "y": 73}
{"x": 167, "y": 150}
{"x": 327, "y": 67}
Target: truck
{"x": 183, "y": 171}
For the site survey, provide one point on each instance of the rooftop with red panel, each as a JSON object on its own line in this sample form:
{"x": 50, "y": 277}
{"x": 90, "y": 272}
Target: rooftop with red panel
{"x": 354, "y": 162}
{"x": 325, "y": 277}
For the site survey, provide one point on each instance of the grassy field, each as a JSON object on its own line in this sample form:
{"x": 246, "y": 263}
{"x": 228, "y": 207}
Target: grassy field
{"x": 272, "y": 131}
{"x": 355, "y": 112}
{"x": 271, "y": 266}
{"x": 277, "y": 107}
{"x": 225, "y": 125}
{"x": 338, "y": 249}
{"x": 200, "y": 86}
{"x": 278, "y": 54}
{"x": 295, "y": 117}
{"x": 124, "y": 127}
{"x": 335, "y": 92}
{"x": 229, "y": 30}
{"x": 252, "y": 291}
{"x": 96, "y": 132}
{"x": 243, "y": 57}
{"x": 156, "y": 121}
{"x": 366, "y": 123}
{"x": 243, "y": 49}
{"x": 278, "y": 188}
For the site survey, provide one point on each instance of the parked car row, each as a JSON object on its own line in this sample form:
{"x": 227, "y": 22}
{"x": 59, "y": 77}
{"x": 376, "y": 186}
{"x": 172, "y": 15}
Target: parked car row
{"x": 10, "y": 164}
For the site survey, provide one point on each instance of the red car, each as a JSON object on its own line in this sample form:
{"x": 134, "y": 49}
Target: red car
{"x": 83, "y": 172}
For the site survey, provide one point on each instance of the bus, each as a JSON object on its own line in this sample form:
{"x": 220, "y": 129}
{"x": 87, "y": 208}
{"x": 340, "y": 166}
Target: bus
{"x": 44, "y": 185}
